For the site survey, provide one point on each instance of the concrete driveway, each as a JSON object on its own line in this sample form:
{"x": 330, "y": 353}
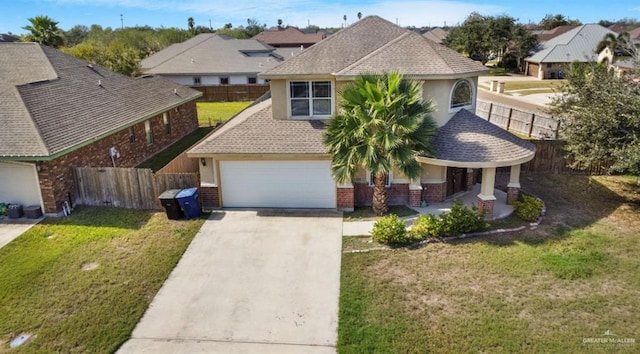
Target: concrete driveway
{"x": 250, "y": 282}
{"x": 12, "y": 228}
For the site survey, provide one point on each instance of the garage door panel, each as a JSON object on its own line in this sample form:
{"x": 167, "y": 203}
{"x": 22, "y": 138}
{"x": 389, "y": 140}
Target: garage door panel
{"x": 19, "y": 184}
{"x": 277, "y": 184}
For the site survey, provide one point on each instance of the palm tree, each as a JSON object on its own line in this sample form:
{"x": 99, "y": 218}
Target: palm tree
{"x": 619, "y": 45}
{"x": 44, "y": 30}
{"x": 383, "y": 123}
{"x": 359, "y": 15}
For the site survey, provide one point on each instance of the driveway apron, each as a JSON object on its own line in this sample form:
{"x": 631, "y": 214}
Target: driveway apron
{"x": 262, "y": 281}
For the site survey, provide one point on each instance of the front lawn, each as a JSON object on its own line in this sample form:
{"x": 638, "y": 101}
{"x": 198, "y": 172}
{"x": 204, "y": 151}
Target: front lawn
{"x": 81, "y": 283}
{"x": 211, "y": 113}
{"x": 533, "y": 84}
{"x": 550, "y": 289}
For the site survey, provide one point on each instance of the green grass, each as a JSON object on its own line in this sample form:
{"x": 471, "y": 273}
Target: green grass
{"x": 535, "y": 91}
{"x": 544, "y": 290}
{"x": 165, "y": 156}
{"x": 366, "y": 213}
{"x": 45, "y": 291}
{"x": 211, "y": 113}
{"x": 495, "y": 71}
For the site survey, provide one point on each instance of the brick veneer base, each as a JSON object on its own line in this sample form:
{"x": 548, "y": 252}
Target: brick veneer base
{"x": 486, "y": 207}
{"x": 345, "y": 198}
{"x": 512, "y": 194}
{"x": 415, "y": 197}
{"x": 397, "y": 194}
{"x": 434, "y": 192}
{"x": 209, "y": 197}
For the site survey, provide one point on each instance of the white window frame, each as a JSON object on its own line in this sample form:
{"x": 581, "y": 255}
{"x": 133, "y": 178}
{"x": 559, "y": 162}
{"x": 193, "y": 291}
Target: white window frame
{"x": 472, "y": 98}
{"x": 148, "y": 132}
{"x": 310, "y": 98}
{"x": 167, "y": 123}
{"x": 370, "y": 180}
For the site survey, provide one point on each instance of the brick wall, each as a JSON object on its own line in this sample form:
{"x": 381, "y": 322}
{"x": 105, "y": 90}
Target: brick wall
{"x": 345, "y": 198}
{"x": 56, "y": 176}
{"x": 434, "y": 192}
{"x": 209, "y": 197}
{"x": 397, "y": 194}
{"x": 486, "y": 207}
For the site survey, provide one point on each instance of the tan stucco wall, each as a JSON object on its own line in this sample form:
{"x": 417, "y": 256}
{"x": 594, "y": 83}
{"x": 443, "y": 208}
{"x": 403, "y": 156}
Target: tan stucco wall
{"x": 433, "y": 174}
{"x": 439, "y": 92}
{"x": 279, "y": 99}
{"x": 207, "y": 173}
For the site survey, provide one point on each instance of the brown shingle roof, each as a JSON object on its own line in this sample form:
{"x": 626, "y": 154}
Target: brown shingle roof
{"x": 469, "y": 138}
{"x": 254, "y": 131}
{"x": 288, "y": 37}
{"x": 374, "y": 44}
{"x": 52, "y": 101}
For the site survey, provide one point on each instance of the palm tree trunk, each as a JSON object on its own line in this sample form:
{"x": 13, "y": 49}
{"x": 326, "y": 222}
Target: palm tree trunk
{"x": 379, "y": 203}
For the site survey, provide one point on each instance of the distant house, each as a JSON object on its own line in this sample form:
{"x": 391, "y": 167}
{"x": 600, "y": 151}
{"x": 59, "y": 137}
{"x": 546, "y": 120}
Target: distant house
{"x": 437, "y": 35}
{"x": 288, "y": 37}
{"x": 578, "y": 44}
{"x": 546, "y": 35}
{"x": 7, "y": 38}
{"x": 59, "y": 112}
{"x": 223, "y": 68}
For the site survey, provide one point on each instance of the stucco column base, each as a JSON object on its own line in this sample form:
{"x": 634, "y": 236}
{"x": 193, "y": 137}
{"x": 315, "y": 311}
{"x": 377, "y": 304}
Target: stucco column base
{"x": 485, "y": 205}
{"x": 415, "y": 195}
{"x": 345, "y": 196}
{"x": 512, "y": 194}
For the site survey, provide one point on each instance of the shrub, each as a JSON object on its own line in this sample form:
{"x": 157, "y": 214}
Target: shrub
{"x": 390, "y": 230}
{"x": 462, "y": 220}
{"x": 425, "y": 227}
{"x": 529, "y": 208}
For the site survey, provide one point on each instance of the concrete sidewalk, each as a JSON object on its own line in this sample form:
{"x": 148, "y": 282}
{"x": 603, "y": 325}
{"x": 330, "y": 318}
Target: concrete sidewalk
{"x": 501, "y": 210}
{"x": 250, "y": 282}
{"x": 12, "y": 228}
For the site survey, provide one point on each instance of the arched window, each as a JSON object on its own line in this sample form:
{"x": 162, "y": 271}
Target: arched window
{"x": 461, "y": 95}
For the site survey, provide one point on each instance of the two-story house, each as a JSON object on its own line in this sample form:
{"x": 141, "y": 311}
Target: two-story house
{"x": 272, "y": 154}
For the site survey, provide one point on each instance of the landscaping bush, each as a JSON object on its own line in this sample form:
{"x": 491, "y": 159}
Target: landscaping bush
{"x": 390, "y": 230}
{"x": 462, "y": 220}
{"x": 529, "y": 208}
{"x": 426, "y": 227}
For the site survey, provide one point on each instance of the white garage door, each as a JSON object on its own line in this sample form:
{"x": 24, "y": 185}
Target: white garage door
{"x": 19, "y": 184}
{"x": 277, "y": 184}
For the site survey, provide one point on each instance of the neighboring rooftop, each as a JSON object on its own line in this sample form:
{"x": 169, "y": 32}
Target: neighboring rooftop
{"x": 578, "y": 44}
{"x": 210, "y": 53}
{"x": 8, "y": 38}
{"x": 51, "y": 102}
{"x": 437, "y": 35}
{"x": 374, "y": 44}
{"x": 469, "y": 138}
{"x": 255, "y": 131}
{"x": 289, "y": 37}
{"x": 546, "y": 35}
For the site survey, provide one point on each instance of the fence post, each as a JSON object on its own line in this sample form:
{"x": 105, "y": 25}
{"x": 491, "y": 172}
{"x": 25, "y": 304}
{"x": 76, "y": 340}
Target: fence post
{"x": 509, "y": 118}
{"x": 533, "y": 118}
{"x": 490, "y": 109}
{"x": 557, "y": 131}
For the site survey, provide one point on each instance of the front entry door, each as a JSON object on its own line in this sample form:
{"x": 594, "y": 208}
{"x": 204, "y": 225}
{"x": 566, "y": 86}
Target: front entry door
{"x": 456, "y": 180}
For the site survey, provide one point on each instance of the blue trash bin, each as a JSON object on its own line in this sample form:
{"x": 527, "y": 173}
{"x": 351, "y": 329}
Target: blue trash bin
{"x": 188, "y": 200}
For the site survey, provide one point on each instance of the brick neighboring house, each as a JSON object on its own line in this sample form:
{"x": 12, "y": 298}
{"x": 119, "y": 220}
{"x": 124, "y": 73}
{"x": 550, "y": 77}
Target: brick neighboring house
{"x": 60, "y": 112}
{"x": 272, "y": 154}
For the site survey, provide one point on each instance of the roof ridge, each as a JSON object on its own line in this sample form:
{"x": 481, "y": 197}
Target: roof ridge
{"x": 31, "y": 121}
{"x": 212, "y": 35}
{"x": 373, "y": 53}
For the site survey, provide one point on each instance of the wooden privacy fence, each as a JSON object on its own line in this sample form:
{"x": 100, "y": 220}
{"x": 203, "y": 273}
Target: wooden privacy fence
{"x": 133, "y": 188}
{"x": 533, "y": 125}
{"x": 181, "y": 164}
{"x": 550, "y": 158}
{"x": 231, "y": 93}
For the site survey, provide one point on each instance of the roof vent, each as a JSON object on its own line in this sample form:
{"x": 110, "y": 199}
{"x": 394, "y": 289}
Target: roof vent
{"x": 100, "y": 83}
{"x": 175, "y": 91}
{"x": 193, "y": 60}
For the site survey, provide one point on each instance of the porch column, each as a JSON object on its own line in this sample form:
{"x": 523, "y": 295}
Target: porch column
{"x": 415, "y": 193}
{"x": 486, "y": 198}
{"x": 513, "y": 188}
{"x": 345, "y": 196}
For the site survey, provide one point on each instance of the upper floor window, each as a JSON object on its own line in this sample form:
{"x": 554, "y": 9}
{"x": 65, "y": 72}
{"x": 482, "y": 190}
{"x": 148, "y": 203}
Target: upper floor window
{"x": 461, "y": 95}
{"x": 252, "y": 80}
{"x": 310, "y": 98}
{"x": 224, "y": 80}
{"x": 197, "y": 80}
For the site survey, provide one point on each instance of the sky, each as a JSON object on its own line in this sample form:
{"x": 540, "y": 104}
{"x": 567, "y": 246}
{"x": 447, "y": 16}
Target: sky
{"x": 300, "y": 13}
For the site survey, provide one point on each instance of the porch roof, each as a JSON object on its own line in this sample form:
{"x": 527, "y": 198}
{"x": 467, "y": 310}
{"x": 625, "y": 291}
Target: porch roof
{"x": 470, "y": 141}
